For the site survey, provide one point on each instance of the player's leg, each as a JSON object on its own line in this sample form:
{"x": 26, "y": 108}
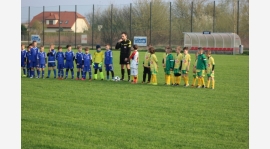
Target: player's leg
{"x": 54, "y": 70}
{"x": 213, "y": 82}
{"x": 49, "y": 70}
{"x": 148, "y": 72}
{"x": 78, "y": 72}
{"x": 144, "y": 74}
{"x": 72, "y": 73}
{"x": 37, "y": 69}
{"x": 101, "y": 73}
{"x": 43, "y": 69}
{"x": 67, "y": 69}
{"x": 199, "y": 74}
{"x": 154, "y": 77}
{"x": 208, "y": 80}
{"x": 202, "y": 78}
{"x": 90, "y": 73}
{"x": 128, "y": 71}
{"x": 194, "y": 79}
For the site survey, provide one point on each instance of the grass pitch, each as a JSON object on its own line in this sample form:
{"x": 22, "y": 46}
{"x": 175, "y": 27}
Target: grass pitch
{"x": 104, "y": 114}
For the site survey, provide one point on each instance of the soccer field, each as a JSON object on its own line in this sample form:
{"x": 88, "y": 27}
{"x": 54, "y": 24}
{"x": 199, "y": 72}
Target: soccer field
{"x": 105, "y": 114}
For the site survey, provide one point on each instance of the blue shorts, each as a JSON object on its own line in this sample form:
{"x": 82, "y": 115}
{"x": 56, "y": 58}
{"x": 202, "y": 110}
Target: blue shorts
{"x": 33, "y": 64}
{"x": 79, "y": 66}
{"x": 28, "y": 65}
{"x": 69, "y": 65}
{"x": 22, "y": 64}
{"x": 60, "y": 66}
{"x": 109, "y": 68}
{"x": 51, "y": 64}
{"x": 87, "y": 68}
{"x": 96, "y": 66}
{"x": 41, "y": 66}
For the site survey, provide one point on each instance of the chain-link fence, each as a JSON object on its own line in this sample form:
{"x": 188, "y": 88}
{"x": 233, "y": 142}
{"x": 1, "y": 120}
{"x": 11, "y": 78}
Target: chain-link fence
{"x": 163, "y": 23}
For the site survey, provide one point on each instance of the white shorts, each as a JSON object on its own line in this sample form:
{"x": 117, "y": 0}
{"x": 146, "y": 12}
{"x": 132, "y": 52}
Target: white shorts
{"x": 134, "y": 71}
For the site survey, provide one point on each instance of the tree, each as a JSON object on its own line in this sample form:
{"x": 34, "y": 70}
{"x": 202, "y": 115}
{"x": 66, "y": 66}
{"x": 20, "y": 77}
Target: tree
{"x": 37, "y": 27}
{"x": 23, "y": 29}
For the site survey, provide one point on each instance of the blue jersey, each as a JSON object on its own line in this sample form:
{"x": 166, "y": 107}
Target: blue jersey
{"x": 28, "y": 56}
{"x": 79, "y": 57}
{"x": 87, "y": 58}
{"x": 34, "y": 52}
{"x": 60, "y": 57}
{"x": 23, "y": 55}
{"x": 108, "y": 57}
{"x": 51, "y": 56}
{"x": 41, "y": 58}
{"x": 69, "y": 56}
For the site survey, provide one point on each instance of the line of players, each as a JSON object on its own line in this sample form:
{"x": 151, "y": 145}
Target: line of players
{"x": 175, "y": 66}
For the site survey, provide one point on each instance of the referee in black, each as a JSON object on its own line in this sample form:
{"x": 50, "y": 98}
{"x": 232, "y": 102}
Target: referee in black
{"x": 125, "y": 47}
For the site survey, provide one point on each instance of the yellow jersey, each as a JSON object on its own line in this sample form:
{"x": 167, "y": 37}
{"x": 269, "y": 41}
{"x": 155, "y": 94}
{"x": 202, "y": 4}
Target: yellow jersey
{"x": 153, "y": 62}
{"x": 98, "y": 57}
{"x": 146, "y": 59}
{"x": 185, "y": 61}
{"x": 177, "y": 60}
{"x": 210, "y": 64}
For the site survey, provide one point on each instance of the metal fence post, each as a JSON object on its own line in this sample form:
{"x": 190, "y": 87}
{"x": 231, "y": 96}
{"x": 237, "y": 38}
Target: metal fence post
{"x": 150, "y": 22}
{"x": 93, "y": 28}
{"x": 43, "y": 27}
{"x": 75, "y": 24}
{"x": 191, "y": 16}
{"x": 170, "y": 39}
{"x": 59, "y": 28}
{"x": 28, "y": 26}
{"x": 130, "y": 22}
{"x": 214, "y": 16}
{"x": 111, "y": 22}
{"x": 238, "y": 17}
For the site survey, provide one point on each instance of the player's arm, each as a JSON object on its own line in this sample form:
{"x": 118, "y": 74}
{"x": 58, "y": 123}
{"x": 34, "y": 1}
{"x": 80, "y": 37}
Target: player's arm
{"x": 128, "y": 49}
{"x": 46, "y": 60}
{"x": 111, "y": 56}
{"x": 180, "y": 67}
{"x": 75, "y": 58}
{"x": 118, "y": 45}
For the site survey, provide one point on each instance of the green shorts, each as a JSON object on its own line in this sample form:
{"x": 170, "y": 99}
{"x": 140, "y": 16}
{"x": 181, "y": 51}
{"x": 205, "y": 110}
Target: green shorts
{"x": 153, "y": 71}
{"x": 210, "y": 75}
{"x": 200, "y": 73}
{"x": 168, "y": 72}
{"x": 194, "y": 75}
{"x": 176, "y": 72}
{"x": 184, "y": 71}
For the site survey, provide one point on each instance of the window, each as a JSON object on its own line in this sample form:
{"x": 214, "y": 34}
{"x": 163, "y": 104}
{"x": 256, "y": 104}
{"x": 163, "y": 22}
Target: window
{"x": 51, "y": 22}
{"x": 66, "y": 22}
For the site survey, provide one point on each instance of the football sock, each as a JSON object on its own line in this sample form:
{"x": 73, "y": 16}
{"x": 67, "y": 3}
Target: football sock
{"x": 81, "y": 72}
{"x": 172, "y": 77}
{"x": 149, "y": 77}
{"x": 78, "y": 74}
{"x": 128, "y": 71}
{"x": 62, "y": 73}
{"x": 90, "y": 75}
{"x": 95, "y": 76}
{"x": 42, "y": 73}
{"x": 213, "y": 84}
{"x": 199, "y": 81}
{"x": 144, "y": 75}
{"x": 38, "y": 73}
{"x": 122, "y": 73}
{"x": 151, "y": 80}
{"x": 72, "y": 72}
{"x": 28, "y": 72}
{"x": 101, "y": 75}
{"x": 83, "y": 75}
{"x": 112, "y": 73}
{"x": 208, "y": 83}
{"x": 49, "y": 73}
{"x": 194, "y": 81}
{"x": 202, "y": 81}
{"x": 186, "y": 80}
{"x": 67, "y": 72}
{"x": 54, "y": 72}
{"x": 108, "y": 75}
{"x": 24, "y": 71}
{"x": 168, "y": 79}
{"x": 59, "y": 73}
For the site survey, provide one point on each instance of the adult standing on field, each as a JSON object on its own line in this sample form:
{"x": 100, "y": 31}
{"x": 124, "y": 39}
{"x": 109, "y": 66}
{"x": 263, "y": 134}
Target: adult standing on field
{"x": 125, "y": 46}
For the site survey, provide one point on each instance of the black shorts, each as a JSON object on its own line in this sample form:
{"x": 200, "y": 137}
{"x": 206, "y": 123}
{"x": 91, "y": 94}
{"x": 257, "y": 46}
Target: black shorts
{"x": 122, "y": 60}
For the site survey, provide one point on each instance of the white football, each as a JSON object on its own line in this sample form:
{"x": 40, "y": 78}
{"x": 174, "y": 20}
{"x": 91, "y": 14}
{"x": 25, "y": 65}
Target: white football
{"x": 116, "y": 78}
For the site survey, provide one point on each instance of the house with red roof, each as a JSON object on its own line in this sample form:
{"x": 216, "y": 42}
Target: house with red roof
{"x": 65, "y": 21}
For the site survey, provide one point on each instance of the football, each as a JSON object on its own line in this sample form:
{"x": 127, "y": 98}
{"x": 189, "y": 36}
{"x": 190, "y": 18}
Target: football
{"x": 116, "y": 78}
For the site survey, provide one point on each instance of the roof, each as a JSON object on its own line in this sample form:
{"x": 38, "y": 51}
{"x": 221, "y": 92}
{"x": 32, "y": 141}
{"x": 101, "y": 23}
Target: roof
{"x": 66, "y": 17}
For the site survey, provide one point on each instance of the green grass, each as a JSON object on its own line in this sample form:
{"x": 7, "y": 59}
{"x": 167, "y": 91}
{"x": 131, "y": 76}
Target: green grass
{"x": 104, "y": 114}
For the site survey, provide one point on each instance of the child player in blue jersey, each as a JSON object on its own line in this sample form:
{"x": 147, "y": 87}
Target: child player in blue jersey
{"x": 60, "y": 57}
{"x": 87, "y": 63}
{"x": 23, "y": 59}
{"x": 51, "y": 61}
{"x": 28, "y": 57}
{"x": 78, "y": 60}
{"x": 69, "y": 57}
{"x": 41, "y": 61}
{"x": 33, "y": 62}
{"x": 108, "y": 61}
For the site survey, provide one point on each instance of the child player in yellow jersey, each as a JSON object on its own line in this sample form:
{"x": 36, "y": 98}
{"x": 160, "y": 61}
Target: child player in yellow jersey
{"x": 177, "y": 61}
{"x": 210, "y": 70}
{"x": 164, "y": 64}
{"x": 185, "y": 63}
{"x": 98, "y": 58}
{"x": 153, "y": 65}
{"x": 169, "y": 67}
{"x": 146, "y": 66}
{"x": 195, "y": 77}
